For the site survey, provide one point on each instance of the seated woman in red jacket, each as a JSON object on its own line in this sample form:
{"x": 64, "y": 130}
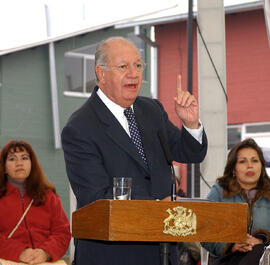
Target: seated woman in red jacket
{"x": 44, "y": 231}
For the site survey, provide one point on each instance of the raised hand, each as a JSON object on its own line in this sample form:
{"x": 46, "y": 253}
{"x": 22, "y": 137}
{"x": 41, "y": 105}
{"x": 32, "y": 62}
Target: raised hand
{"x": 186, "y": 107}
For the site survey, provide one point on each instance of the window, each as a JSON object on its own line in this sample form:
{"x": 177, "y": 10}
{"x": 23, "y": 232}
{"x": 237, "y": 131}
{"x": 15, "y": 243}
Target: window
{"x": 79, "y": 71}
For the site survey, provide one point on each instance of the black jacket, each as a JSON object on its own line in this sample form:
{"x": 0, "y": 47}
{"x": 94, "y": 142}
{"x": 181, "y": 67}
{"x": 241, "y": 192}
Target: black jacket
{"x": 97, "y": 148}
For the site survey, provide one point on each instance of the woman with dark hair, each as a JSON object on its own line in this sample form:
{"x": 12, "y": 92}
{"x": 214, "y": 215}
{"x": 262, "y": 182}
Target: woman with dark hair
{"x": 33, "y": 225}
{"x": 244, "y": 181}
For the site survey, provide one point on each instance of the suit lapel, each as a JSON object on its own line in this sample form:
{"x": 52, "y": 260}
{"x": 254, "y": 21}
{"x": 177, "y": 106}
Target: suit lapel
{"x": 114, "y": 130}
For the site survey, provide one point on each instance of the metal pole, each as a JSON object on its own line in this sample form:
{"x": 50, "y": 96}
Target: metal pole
{"x": 54, "y": 92}
{"x": 190, "y": 45}
{"x": 189, "y": 74}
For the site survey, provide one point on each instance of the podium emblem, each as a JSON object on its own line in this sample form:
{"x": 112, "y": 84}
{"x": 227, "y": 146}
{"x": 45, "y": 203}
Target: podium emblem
{"x": 180, "y": 222}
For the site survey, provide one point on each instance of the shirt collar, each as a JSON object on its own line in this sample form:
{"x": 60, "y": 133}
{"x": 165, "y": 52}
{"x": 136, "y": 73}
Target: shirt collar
{"x": 112, "y": 106}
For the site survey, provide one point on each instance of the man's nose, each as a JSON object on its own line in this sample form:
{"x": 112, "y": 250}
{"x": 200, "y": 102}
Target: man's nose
{"x": 132, "y": 71}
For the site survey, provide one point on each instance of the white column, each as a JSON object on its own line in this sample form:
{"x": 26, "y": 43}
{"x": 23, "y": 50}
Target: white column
{"x": 212, "y": 97}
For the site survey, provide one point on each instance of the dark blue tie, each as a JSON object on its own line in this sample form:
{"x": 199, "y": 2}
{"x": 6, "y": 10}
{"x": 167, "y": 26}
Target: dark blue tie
{"x": 134, "y": 132}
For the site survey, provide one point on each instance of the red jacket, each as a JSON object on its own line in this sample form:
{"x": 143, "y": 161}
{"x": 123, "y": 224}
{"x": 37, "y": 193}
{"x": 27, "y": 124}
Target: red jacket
{"x": 45, "y": 226}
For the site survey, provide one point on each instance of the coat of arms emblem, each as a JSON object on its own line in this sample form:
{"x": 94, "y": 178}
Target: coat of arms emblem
{"x": 181, "y": 222}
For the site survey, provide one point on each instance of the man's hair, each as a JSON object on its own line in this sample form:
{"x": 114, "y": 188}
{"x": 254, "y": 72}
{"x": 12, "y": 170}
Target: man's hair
{"x": 101, "y": 55}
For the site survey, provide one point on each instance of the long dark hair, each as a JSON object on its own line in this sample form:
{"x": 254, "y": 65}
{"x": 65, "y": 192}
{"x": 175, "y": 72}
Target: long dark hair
{"x": 36, "y": 183}
{"x": 228, "y": 181}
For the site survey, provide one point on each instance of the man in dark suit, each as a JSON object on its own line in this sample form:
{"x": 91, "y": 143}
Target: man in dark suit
{"x": 98, "y": 145}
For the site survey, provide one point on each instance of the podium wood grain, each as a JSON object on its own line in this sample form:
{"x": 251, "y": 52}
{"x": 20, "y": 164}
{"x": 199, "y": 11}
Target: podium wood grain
{"x": 133, "y": 220}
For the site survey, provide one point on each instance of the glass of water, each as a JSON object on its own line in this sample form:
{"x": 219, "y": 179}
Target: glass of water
{"x": 122, "y": 188}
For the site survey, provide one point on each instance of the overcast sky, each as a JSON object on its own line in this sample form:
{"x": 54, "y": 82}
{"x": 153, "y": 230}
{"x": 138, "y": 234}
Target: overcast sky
{"x": 24, "y": 21}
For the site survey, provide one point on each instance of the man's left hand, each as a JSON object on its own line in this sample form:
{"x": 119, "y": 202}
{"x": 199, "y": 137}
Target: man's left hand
{"x": 186, "y": 107}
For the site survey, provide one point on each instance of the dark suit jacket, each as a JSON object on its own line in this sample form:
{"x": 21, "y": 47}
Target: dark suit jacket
{"x": 97, "y": 148}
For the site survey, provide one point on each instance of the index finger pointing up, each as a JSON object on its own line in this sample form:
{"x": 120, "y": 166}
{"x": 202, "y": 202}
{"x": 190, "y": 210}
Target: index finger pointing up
{"x": 178, "y": 85}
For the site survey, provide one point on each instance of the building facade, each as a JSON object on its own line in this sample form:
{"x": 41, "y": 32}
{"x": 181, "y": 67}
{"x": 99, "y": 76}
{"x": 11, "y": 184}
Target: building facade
{"x": 247, "y": 70}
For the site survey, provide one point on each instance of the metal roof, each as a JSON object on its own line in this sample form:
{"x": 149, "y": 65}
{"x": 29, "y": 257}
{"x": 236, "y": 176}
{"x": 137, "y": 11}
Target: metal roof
{"x": 169, "y": 14}
{"x": 83, "y": 31}
{"x": 175, "y": 14}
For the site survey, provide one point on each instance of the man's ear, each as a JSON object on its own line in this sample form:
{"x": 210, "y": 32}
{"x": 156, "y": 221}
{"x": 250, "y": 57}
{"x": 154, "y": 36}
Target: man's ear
{"x": 100, "y": 72}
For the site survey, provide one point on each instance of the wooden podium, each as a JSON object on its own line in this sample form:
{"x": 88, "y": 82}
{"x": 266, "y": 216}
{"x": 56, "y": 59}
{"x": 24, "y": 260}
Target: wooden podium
{"x": 140, "y": 220}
